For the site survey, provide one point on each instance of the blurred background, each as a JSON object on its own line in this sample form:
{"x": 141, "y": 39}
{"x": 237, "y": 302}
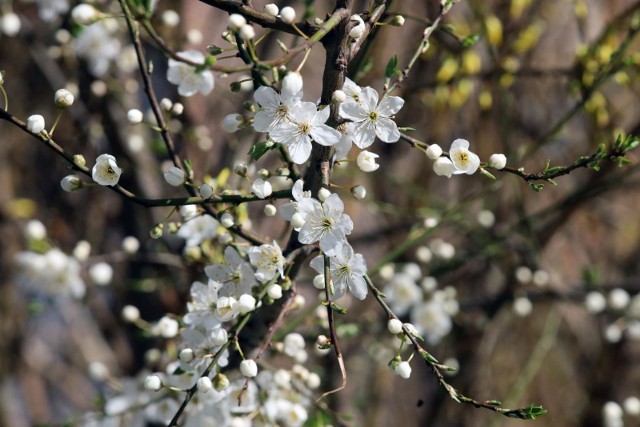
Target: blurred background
{"x": 542, "y": 285}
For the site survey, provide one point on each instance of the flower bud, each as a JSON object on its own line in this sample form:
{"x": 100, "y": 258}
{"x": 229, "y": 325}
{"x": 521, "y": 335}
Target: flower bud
{"x": 177, "y": 109}
{"x": 275, "y": 291}
{"x": 443, "y": 167}
{"x": 394, "y": 326}
{"x": 166, "y": 104}
{"x": 174, "y": 176}
{"x": 366, "y": 161}
{"x": 130, "y": 245}
{"x": 434, "y": 151}
{"x": 498, "y": 161}
{"x": 204, "y": 384}
{"x": 323, "y": 342}
{"x": 245, "y": 304}
{"x": 206, "y": 191}
{"x": 84, "y": 14}
{"x": 79, "y": 160}
{"x": 270, "y": 210}
{"x": 248, "y": 368}
{"x": 227, "y": 220}
{"x": 288, "y": 15}
{"x": 323, "y": 194}
{"x": 261, "y": 188}
{"x": 358, "y": 30}
{"x": 232, "y": 122}
{"x": 358, "y": 192}
{"x": 153, "y": 383}
{"x": 134, "y": 116}
{"x": 63, "y": 98}
{"x": 403, "y": 369}
{"x": 35, "y": 123}
{"x": 247, "y": 32}
{"x": 297, "y": 221}
{"x": 219, "y": 336}
{"x": 338, "y": 97}
{"x": 220, "y": 382}
{"x": 397, "y": 21}
{"x": 101, "y": 273}
{"x": 10, "y": 24}
{"x": 292, "y": 83}
{"x": 156, "y": 231}
{"x": 235, "y": 22}
{"x": 318, "y": 281}
{"x": 271, "y": 9}
{"x": 71, "y": 183}
{"x": 241, "y": 170}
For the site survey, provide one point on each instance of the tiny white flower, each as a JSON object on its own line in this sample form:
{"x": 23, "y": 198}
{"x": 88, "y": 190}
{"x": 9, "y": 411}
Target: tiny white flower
{"x": 297, "y": 221}
{"x": 227, "y": 220}
{"x": 63, "y": 98}
{"x": 84, "y": 14}
{"x": 293, "y": 344}
{"x": 130, "y": 313}
{"x": 270, "y": 210}
{"x": 10, "y": 24}
{"x": 101, "y": 273}
{"x": 35, "y": 230}
{"x": 174, "y": 176}
{"x": 268, "y": 260}
{"x": 347, "y": 272}
{"x": 188, "y": 79}
{"x": 247, "y": 32}
{"x": 153, "y": 383}
{"x": 359, "y": 192}
{"x": 186, "y": 355}
{"x": 595, "y": 302}
{"x": 170, "y": 18}
{"x": 403, "y": 369}
{"x": 71, "y": 183}
{"x": 275, "y": 291}
{"x": 366, "y": 161}
{"x": 232, "y": 122}
{"x": 338, "y": 96}
{"x": 135, "y": 116}
{"x": 325, "y": 223}
{"x": 35, "y": 123}
{"x": 235, "y": 22}
{"x": 434, "y": 151}
{"x": 219, "y": 336}
{"x": 498, "y": 161}
{"x": 443, "y": 167}
{"x": 394, "y": 326}
{"x": 249, "y": 368}
{"x": 130, "y": 245}
{"x": 288, "y": 15}
{"x": 106, "y": 171}
{"x": 272, "y": 9}
{"x": 318, "y": 281}
{"x": 245, "y": 304}
{"x": 204, "y": 384}
{"x": 261, "y": 188}
{"x": 166, "y": 327}
{"x": 198, "y": 229}
{"x": 206, "y": 191}
{"x": 464, "y": 160}
{"x": 522, "y": 306}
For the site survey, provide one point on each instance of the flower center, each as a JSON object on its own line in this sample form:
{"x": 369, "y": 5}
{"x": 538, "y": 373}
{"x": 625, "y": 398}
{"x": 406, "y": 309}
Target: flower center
{"x": 462, "y": 157}
{"x": 305, "y": 128}
{"x": 373, "y": 116}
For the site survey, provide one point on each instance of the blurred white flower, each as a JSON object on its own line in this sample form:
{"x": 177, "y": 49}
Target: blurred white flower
{"x": 187, "y": 77}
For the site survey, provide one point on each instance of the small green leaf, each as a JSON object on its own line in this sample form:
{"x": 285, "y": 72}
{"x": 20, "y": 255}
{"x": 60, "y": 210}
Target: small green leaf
{"x": 486, "y": 173}
{"x": 534, "y": 411}
{"x": 260, "y": 149}
{"x": 391, "y": 67}
{"x": 536, "y": 187}
{"x": 550, "y": 171}
{"x": 470, "y": 40}
{"x": 338, "y": 308}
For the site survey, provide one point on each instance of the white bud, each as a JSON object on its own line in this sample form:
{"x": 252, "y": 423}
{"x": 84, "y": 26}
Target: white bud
{"x": 595, "y": 302}
{"x": 98, "y": 371}
{"x": 403, "y": 369}
{"x": 631, "y": 405}
{"x": 275, "y": 291}
{"x": 188, "y": 211}
{"x": 166, "y": 327}
{"x": 358, "y": 192}
{"x": 241, "y": 170}
{"x": 231, "y": 123}
{"x": 522, "y": 306}
{"x": 313, "y": 381}
{"x": 619, "y": 299}
{"x": 186, "y": 355}
{"x": 358, "y": 30}
{"x": 394, "y": 326}
{"x": 174, "y": 176}
{"x": 63, "y": 98}
{"x": 220, "y": 382}
{"x": 524, "y": 274}
{"x": 540, "y": 278}
{"x": 366, "y": 161}
{"x": 10, "y": 24}
{"x": 270, "y": 210}
{"x": 323, "y": 341}
{"x": 35, "y": 123}
{"x": 204, "y": 384}
{"x": 227, "y": 220}
{"x": 135, "y": 116}
{"x": 271, "y": 9}
{"x": 235, "y": 22}
{"x": 498, "y": 161}
{"x": 248, "y": 368}
{"x": 318, "y": 281}
{"x": 613, "y": 333}
{"x": 486, "y": 218}
{"x": 411, "y": 329}
{"x": 323, "y": 194}
{"x": 101, "y": 273}
{"x": 245, "y": 304}
{"x": 170, "y": 18}
{"x": 153, "y": 383}
{"x": 297, "y": 221}
{"x": 84, "y": 14}
{"x": 338, "y": 96}
{"x": 71, "y": 183}
{"x": 397, "y": 21}
{"x": 219, "y": 336}
{"x": 82, "y": 250}
{"x": 261, "y": 188}
{"x": 35, "y": 230}
{"x": 612, "y": 410}
{"x": 247, "y": 32}
{"x": 434, "y": 151}
{"x": 206, "y": 191}
{"x": 177, "y": 109}
{"x": 292, "y": 83}
{"x": 130, "y": 245}
{"x": 130, "y": 313}
{"x": 288, "y": 15}
{"x": 424, "y": 254}
{"x": 443, "y": 167}
{"x": 166, "y": 104}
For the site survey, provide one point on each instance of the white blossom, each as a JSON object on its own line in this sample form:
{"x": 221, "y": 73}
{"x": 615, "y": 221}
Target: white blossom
{"x": 10, "y": 24}
{"x": 359, "y": 192}
{"x": 206, "y": 191}
{"x": 431, "y": 320}
{"x": 198, "y": 229}
{"x": 53, "y": 272}
{"x": 366, "y": 161}
{"x": 247, "y": 32}
{"x": 289, "y": 210}
{"x": 235, "y": 22}
{"x": 204, "y": 384}
{"x": 249, "y": 368}
{"x": 275, "y": 108}
{"x": 106, "y": 171}
{"x": 443, "y": 166}
{"x": 187, "y": 77}
{"x": 261, "y": 188}
{"x": 101, "y": 273}
{"x": 325, "y": 223}
{"x": 464, "y": 160}
{"x": 402, "y": 293}
{"x": 358, "y": 29}
{"x": 270, "y": 210}
{"x": 403, "y": 369}
{"x": 293, "y": 344}
{"x": 226, "y": 220}
{"x": 63, "y": 98}
{"x": 153, "y": 383}
{"x": 371, "y": 118}
{"x": 71, "y": 183}
{"x": 347, "y": 272}
{"x": 305, "y": 122}
{"x": 595, "y": 302}
{"x": 268, "y": 260}
{"x": 97, "y": 44}
{"x": 235, "y": 275}
{"x": 394, "y": 326}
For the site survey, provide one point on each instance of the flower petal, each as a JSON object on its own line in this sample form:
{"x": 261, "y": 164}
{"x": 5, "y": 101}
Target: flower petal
{"x": 387, "y": 130}
{"x": 325, "y": 135}
{"x": 390, "y": 105}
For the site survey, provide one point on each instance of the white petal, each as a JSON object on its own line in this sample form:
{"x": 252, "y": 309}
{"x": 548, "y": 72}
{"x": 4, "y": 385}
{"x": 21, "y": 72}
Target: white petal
{"x": 358, "y": 287}
{"x": 364, "y": 133}
{"x": 369, "y": 98}
{"x": 387, "y": 130}
{"x": 300, "y": 150}
{"x": 266, "y": 97}
{"x": 352, "y": 111}
{"x": 390, "y": 105}
{"x": 459, "y": 143}
{"x": 325, "y": 135}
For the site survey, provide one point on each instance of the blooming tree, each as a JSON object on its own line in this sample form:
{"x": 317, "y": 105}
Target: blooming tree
{"x": 269, "y": 241}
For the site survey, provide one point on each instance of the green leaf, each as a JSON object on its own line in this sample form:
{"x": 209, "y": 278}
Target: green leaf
{"x": 260, "y": 149}
{"x": 536, "y": 187}
{"x": 392, "y": 66}
{"x": 534, "y": 411}
{"x": 553, "y": 170}
{"x": 470, "y": 40}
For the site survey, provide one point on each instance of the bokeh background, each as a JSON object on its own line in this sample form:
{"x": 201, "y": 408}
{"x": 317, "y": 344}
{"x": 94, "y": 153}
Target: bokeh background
{"x": 545, "y": 80}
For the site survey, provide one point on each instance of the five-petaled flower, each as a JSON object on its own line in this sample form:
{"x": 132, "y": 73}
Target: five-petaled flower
{"x": 464, "y": 160}
{"x": 106, "y": 171}
{"x": 325, "y": 223}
